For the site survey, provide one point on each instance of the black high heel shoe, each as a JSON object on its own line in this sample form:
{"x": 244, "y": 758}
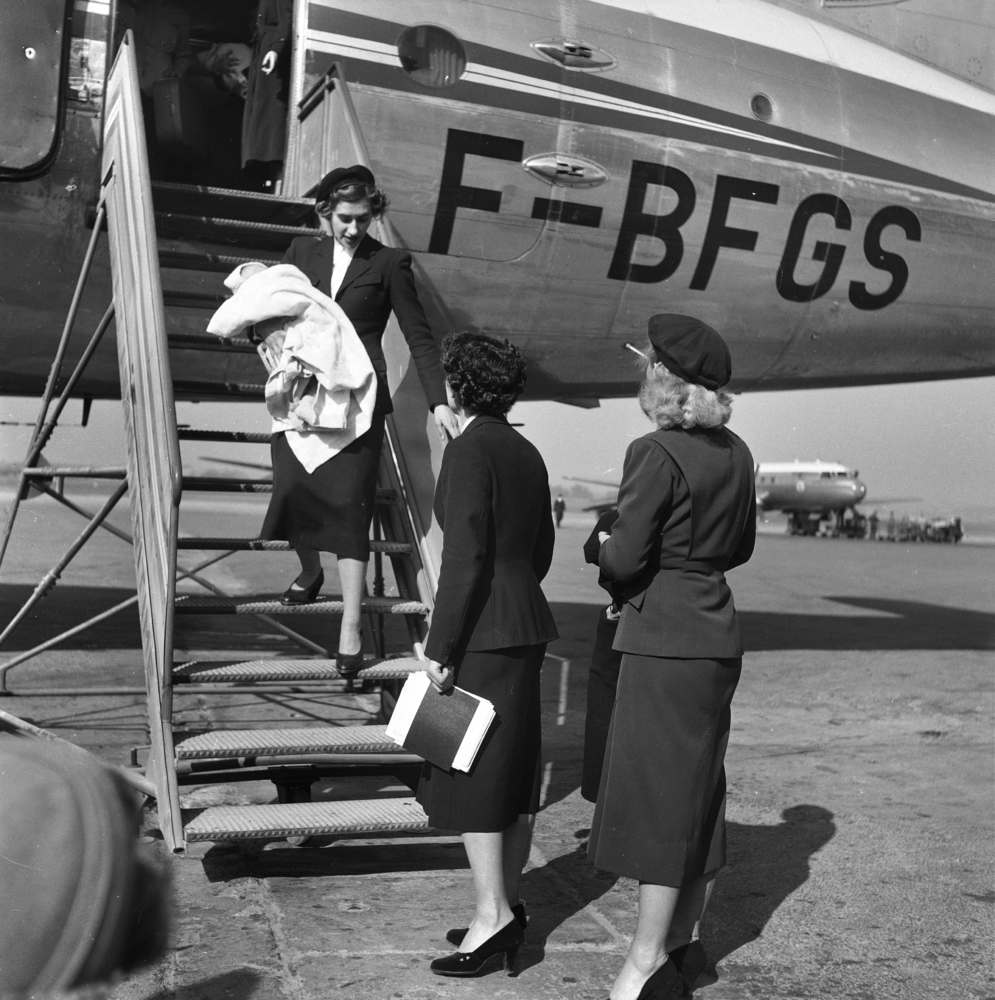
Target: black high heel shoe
{"x": 665, "y": 984}
{"x": 691, "y": 962}
{"x": 349, "y": 664}
{"x": 502, "y": 946}
{"x": 455, "y": 935}
{"x": 304, "y": 595}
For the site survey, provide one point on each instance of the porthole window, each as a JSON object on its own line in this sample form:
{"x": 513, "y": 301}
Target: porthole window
{"x": 762, "y": 107}
{"x": 431, "y": 56}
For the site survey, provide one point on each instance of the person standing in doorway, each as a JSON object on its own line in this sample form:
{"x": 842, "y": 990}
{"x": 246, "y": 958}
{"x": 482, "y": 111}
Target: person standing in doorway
{"x": 264, "y": 120}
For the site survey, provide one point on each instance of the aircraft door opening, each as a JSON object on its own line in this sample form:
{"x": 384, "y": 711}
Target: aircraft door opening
{"x": 214, "y": 77}
{"x": 33, "y": 46}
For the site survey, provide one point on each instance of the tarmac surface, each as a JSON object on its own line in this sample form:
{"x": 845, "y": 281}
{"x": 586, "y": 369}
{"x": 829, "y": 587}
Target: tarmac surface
{"x": 861, "y": 772}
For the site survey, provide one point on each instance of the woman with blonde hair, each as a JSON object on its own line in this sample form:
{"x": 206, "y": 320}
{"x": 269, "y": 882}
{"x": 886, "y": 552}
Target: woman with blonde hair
{"x": 686, "y": 514}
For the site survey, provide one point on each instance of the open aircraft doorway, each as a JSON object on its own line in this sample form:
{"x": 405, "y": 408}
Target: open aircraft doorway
{"x": 214, "y": 77}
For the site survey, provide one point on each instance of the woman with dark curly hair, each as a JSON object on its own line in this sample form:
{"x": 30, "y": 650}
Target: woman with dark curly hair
{"x": 489, "y": 632}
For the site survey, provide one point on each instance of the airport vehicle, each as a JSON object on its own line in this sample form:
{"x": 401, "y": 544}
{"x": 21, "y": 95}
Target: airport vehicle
{"x": 812, "y": 179}
{"x": 808, "y": 492}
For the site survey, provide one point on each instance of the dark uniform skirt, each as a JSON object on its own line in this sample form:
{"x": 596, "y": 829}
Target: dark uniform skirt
{"x": 329, "y": 509}
{"x": 504, "y": 780}
{"x": 660, "y": 815}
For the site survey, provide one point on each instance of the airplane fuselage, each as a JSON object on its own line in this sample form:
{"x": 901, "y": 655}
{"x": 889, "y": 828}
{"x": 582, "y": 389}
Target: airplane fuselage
{"x": 821, "y": 488}
{"x": 571, "y": 169}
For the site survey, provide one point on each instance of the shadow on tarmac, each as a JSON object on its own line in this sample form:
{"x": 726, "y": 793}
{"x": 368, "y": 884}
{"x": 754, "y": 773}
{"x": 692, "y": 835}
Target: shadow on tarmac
{"x": 323, "y": 857}
{"x": 910, "y": 625}
{"x": 240, "y": 983}
{"x": 901, "y": 625}
{"x": 766, "y": 864}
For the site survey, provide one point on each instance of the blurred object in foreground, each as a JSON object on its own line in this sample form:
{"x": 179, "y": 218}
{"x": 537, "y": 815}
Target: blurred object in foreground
{"x": 81, "y": 902}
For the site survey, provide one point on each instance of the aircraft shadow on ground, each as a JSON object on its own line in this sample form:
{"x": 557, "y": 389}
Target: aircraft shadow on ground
{"x": 909, "y": 625}
{"x": 66, "y": 606}
{"x": 901, "y": 625}
{"x": 896, "y": 625}
{"x": 241, "y": 983}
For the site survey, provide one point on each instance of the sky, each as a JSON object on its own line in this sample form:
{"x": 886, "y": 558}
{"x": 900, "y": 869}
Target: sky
{"x": 933, "y": 442}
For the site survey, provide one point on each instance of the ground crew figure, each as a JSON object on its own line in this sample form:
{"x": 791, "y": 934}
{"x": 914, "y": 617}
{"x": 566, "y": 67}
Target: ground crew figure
{"x": 559, "y": 508}
{"x": 872, "y": 526}
{"x": 891, "y": 526}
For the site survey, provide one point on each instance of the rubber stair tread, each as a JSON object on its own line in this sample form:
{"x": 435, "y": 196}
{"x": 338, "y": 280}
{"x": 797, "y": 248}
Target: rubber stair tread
{"x": 233, "y": 484}
{"x": 220, "y": 391}
{"x": 277, "y": 820}
{"x": 198, "y": 342}
{"x": 247, "y": 236}
{"x": 276, "y": 545}
{"x": 301, "y": 669}
{"x": 191, "y": 299}
{"x": 207, "y": 434}
{"x": 224, "y": 743}
{"x": 196, "y": 604}
{"x": 259, "y": 206}
{"x": 186, "y": 259}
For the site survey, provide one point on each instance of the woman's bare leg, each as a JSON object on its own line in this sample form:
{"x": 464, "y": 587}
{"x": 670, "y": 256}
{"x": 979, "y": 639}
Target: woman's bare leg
{"x": 485, "y": 852}
{"x": 352, "y": 578}
{"x": 647, "y": 952}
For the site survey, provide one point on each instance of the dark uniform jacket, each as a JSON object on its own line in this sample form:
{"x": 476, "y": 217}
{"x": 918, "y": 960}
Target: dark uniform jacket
{"x": 492, "y": 500}
{"x": 379, "y": 279}
{"x": 686, "y": 514}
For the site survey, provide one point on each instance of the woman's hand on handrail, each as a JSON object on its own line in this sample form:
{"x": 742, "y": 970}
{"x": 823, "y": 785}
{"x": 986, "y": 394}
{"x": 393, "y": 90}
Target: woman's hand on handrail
{"x": 446, "y": 421}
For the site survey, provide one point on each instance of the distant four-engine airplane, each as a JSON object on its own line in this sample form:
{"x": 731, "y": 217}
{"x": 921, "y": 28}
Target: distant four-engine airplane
{"x": 807, "y": 492}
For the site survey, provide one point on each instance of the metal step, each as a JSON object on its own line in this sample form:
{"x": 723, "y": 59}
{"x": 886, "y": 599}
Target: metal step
{"x": 369, "y": 816}
{"x": 206, "y": 342}
{"x": 238, "y": 437}
{"x": 245, "y": 235}
{"x": 272, "y": 545}
{"x": 228, "y": 484}
{"x": 189, "y": 604}
{"x": 205, "y": 392}
{"x": 253, "y": 206}
{"x": 190, "y": 299}
{"x": 75, "y": 471}
{"x": 225, "y": 743}
{"x": 206, "y": 672}
{"x": 181, "y": 256}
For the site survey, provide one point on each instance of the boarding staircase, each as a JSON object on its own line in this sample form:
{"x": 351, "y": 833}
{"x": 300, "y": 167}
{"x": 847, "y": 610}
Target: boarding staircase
{"x": 170, "y": 245}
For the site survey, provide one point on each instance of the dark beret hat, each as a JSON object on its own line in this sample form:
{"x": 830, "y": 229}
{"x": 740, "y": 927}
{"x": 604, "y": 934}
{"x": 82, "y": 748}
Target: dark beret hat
{"x": 692, "y": 350}
{"x": 357, "y": 173}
